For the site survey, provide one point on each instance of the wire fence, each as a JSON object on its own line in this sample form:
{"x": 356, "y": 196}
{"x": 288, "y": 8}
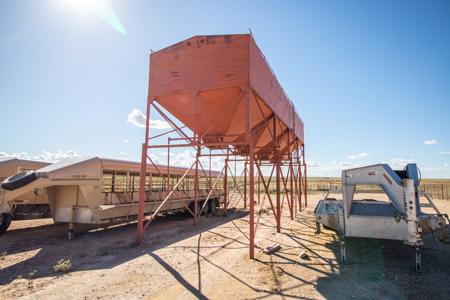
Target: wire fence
{"x": 437, "y": 190}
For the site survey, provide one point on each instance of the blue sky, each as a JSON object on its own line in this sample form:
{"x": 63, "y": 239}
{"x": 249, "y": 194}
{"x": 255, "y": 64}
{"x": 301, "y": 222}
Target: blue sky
{"x": 369, "y": 78}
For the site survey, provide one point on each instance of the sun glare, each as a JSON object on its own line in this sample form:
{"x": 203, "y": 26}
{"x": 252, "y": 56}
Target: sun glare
{"x": 83, "y": 6}
{"x": 100, "y": 8}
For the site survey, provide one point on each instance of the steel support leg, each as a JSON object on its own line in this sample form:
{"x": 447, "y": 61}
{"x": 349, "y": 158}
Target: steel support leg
{"x": 196, "y": 182}
{"x": 245, "y": 185}
{"x": 277, "y": 176}
{"x": 418, "y": 260}
{"x": 259, "y": 189}
{"x": 225, "y": 187}
{"x": 305, "y": 192}
{"x": 70, "y": 231}
{"x": 142, "y": 175}
{"x": 252, "y": 202}
{"x": 291, "y": 176}
{"x": 343, "y": 249}
{"x": 299, "y": 179}
{"x": 278, "y": 216}
{"x": 140, "y": 229}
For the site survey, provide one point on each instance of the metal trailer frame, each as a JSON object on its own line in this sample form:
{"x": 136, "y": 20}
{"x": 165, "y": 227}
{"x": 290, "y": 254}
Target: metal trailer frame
{"x": 93, "y": 190}
{"x": 399, "y": 219}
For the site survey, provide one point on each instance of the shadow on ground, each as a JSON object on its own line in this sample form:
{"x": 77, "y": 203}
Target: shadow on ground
{"x": 384, "y": 269}
{"x": 94, "y": 248}
{"x": 377, "y": 269}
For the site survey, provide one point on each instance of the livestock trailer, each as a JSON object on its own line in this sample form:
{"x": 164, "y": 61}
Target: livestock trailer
{"x": 30, "y": 205}
{"x": 93, "y": 190}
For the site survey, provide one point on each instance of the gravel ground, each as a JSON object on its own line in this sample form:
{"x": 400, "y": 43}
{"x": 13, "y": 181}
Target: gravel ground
{"x": 210, "y": 260}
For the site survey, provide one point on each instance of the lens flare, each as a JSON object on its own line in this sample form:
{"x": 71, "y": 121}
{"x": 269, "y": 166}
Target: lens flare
{"x": 101, "y": 8}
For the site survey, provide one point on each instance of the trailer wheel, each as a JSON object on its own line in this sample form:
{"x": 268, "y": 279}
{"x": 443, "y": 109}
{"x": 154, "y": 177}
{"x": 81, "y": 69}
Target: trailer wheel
{"x": 213, "y": 207}
{"x": 5, "y": 221}
{"x": 16, "y": 181}
{"x": 199, "y": 207}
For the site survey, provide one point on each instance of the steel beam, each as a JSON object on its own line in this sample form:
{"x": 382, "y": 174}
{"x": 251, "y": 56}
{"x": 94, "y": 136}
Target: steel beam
{"x": 196, "y": 186}
{"x": 225, "y": 187}
{"x": 245, "y": 184}
{"x": 277, "y": 176}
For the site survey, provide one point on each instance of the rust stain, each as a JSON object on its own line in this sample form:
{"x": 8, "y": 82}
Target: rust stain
{"x": 216, "y": 74}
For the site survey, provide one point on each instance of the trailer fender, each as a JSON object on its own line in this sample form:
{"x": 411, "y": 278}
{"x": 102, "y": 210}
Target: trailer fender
{"x": 16, "y": 181}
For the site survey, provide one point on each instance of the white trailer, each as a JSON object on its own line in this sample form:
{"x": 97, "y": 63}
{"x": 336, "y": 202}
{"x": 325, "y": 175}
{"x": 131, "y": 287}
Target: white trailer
{"x": 399, "y": 219}
{"x": 28, "y": 206}
{"x": 97, "y": 191}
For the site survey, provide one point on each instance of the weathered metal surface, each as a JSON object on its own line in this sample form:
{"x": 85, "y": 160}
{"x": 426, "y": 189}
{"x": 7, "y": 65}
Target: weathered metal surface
{"x": 223, "y": 90}
{"x": 205, "y": 79}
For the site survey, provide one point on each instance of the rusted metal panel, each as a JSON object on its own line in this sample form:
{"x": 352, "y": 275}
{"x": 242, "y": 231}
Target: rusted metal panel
{"x": 199, "y": 63}
{"x": 205, "y": 79}
{"x": 299, "y": 128}
{"x": 264, "y": 82}
{"x": 224, "y": 91}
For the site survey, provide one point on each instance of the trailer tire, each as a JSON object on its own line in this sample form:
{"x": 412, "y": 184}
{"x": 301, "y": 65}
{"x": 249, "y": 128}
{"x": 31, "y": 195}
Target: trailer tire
{"x": 213, "y": 207}
{"x": 5, "y": 221}
{"x": 16, "y": 181}
{"x": 199, "y": 207}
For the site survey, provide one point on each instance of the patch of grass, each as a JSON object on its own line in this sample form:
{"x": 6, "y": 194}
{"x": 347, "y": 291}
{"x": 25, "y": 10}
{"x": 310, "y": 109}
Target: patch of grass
{"x": 32, "y": 273}
{"x": 63, "y": 265}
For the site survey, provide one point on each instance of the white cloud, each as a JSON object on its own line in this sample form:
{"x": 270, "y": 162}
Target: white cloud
{"x": 165, "y": 153}
{"x": 44, "y": 155}
{"x": 398, "y": 163}
{"x": 332, "y": 168}
{"x": 312, "y": 164}
{"x": 183, "y": 159}
{"x": 444, "y": 152}
{"x": 358, "y": 155}
{"x": 335, "y": 167}
{"x": 158, "y": 124}
{"x": 123, "y": 153}
{"x": 137, "y": 118}
{"x": 446, "y": 165}
{"x": 430, "y": 142}
{"x": 125, "y": 141}
{"x": 186, "y": 158}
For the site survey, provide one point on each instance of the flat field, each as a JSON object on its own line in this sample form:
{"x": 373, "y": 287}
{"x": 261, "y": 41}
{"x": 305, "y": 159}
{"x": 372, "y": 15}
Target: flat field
{"x": 437, "y": 188}
{"x": 210, "y": 260}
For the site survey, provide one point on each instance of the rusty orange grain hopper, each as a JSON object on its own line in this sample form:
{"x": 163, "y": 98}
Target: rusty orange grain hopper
{"x": 223, "y": 90}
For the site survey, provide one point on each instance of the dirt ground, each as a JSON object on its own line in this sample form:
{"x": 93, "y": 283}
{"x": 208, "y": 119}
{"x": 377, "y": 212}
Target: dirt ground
{"x": 210, "y": 261}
